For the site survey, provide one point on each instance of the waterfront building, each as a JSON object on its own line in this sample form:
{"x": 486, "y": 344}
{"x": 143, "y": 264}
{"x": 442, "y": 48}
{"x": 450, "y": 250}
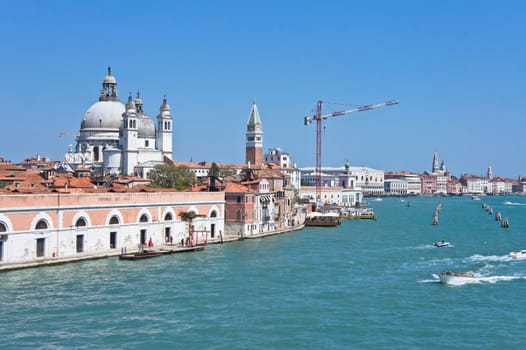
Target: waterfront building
{"x": 473, "y": 184}
{"x": 370, "y": 181}
{"x": 120, "y": 139}
{"x": 454, "y": 186}
{"x": 395, "y": 187}
{"x": 501, "y": 185}
{"x": 41, "y": 227}
{"x": 429, "y": 183}
{"x": 335, "y": 195}
{"x": 519, "y": 186}
{"x": 413, "y": 181}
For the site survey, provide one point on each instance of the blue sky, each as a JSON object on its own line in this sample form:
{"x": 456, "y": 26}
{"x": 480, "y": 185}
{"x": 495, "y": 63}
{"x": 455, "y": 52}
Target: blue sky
{"x": 457, "y": 68}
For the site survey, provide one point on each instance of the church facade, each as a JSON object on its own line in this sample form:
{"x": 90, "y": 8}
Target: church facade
{"x": 121, "y": 139}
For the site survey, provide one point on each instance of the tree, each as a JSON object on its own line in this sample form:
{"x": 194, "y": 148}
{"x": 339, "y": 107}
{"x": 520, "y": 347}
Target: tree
{"x": 169, "y": 176}
{"x": 214, "y": 170}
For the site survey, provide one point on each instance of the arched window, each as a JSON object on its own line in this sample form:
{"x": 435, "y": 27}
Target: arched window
{"x": 96, "y": 153}
{"x": 41, "y": 225}
{"x": 114, "y": 220}
{"x": 238, "y": 215}
{"x": 3, "y": 227}
{"x": 144, "y": 218}
{"x": 213, "y": 214}
{"x": 80, "y": 222}
{"x": 168, "y": 217}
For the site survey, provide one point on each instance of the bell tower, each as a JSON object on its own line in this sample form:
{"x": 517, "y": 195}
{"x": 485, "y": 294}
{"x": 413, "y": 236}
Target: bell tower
{"x": 254, "y": 138}
{"x": 164, "y": 130}
{"x": 129, "y": 137}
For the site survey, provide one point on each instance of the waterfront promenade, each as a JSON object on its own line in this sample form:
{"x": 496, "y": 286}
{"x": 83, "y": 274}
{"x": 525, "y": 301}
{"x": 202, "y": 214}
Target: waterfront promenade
{"x": 108, "y": 254}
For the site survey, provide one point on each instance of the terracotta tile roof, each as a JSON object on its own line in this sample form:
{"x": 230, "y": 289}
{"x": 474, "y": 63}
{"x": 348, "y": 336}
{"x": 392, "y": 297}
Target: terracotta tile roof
{"x": 11, "y": 167}
{"x": 233, "y": 187}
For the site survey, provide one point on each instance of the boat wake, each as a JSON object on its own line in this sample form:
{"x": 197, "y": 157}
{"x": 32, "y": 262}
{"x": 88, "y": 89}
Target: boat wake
{"x": 490, "y": 258}
{"x": 474, "y": 280}
{"x": 514, "y": 203}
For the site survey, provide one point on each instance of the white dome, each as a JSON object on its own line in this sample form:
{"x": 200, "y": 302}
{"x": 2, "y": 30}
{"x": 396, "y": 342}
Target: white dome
{"x": 103, "y": 115}
{"x": 146, "y": 127}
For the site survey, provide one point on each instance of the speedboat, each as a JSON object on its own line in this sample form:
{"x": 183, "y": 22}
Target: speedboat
{"x": 519, "y": 254}
{"x": 441, "y": 243}
{"x": 455, "y": 276}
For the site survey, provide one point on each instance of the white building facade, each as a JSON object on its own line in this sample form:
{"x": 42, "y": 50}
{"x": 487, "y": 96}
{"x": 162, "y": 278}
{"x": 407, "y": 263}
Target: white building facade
{"x": 42, "y": 228}
{"x": 370, "y": 181}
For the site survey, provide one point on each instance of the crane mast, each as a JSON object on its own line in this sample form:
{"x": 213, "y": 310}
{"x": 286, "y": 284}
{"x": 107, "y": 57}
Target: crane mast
{"x": 318, "y": 118}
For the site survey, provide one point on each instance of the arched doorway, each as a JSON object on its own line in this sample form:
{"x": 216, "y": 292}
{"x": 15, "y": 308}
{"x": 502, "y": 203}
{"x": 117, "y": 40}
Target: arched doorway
{"x": 167, "y": 229}
{"x": 113, "y": 233}
{"x": 41, "y": 242}
{"x": 143, "y": 218}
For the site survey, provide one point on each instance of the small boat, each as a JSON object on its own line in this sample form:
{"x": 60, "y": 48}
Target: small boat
{"x": 518, "y": 254}
{"x": 441, "y": 243}
{"x": 475, "y": 198}
{"x": 140, "y": 255}
{"x": 367, "y": 213}
{"x": 322, "y": 219}
{"x": 455, "y": 276}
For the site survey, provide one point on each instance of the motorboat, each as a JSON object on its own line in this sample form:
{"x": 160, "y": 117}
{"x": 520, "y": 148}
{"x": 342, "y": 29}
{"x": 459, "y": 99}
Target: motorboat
{"x": 328, "y": 219}
{"x": 455, "y": 276}
{"x": 441, "y": 243}
{"x": 518, "y": 254}
{"x": 475, "y": 198}
{"x": 367, "y": 213}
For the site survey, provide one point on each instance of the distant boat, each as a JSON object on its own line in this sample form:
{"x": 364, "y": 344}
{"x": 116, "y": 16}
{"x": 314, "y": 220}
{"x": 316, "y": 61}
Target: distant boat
{"x": 322, "y": 219}
{"x": 519, "y": 254}
{"x": 441, "y": 243}
{"x": 378, "y": 199}
{"x": 475, "y": 197}
{"x": 455, "y": 276}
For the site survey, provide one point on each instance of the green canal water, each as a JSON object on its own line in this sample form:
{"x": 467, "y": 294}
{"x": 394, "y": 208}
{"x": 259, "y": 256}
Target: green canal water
{"x": 364, "y": 285}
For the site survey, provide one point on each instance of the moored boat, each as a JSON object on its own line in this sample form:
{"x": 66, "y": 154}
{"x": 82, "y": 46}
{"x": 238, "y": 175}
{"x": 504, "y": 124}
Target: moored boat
{"x": 322, "y": 219}
{"x": 455, "y": 276}
{"x": 140, "y": 255}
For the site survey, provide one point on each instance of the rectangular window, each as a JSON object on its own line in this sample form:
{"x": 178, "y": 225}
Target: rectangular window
{"x": 113, "y": 240}
{"x": 1, "y": 249}
{"x": 212, "y": 230}
{"x": 40, "y": 247}
{"x": 80, "y": 243}
{"x": 146, "y": 143}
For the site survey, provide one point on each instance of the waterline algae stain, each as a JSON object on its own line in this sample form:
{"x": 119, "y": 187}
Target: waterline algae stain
{"x": 364, "y": 284}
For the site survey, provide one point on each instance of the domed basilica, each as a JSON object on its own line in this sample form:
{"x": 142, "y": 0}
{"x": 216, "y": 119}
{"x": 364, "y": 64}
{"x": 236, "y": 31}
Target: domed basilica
{"x": 120, "y": 139}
